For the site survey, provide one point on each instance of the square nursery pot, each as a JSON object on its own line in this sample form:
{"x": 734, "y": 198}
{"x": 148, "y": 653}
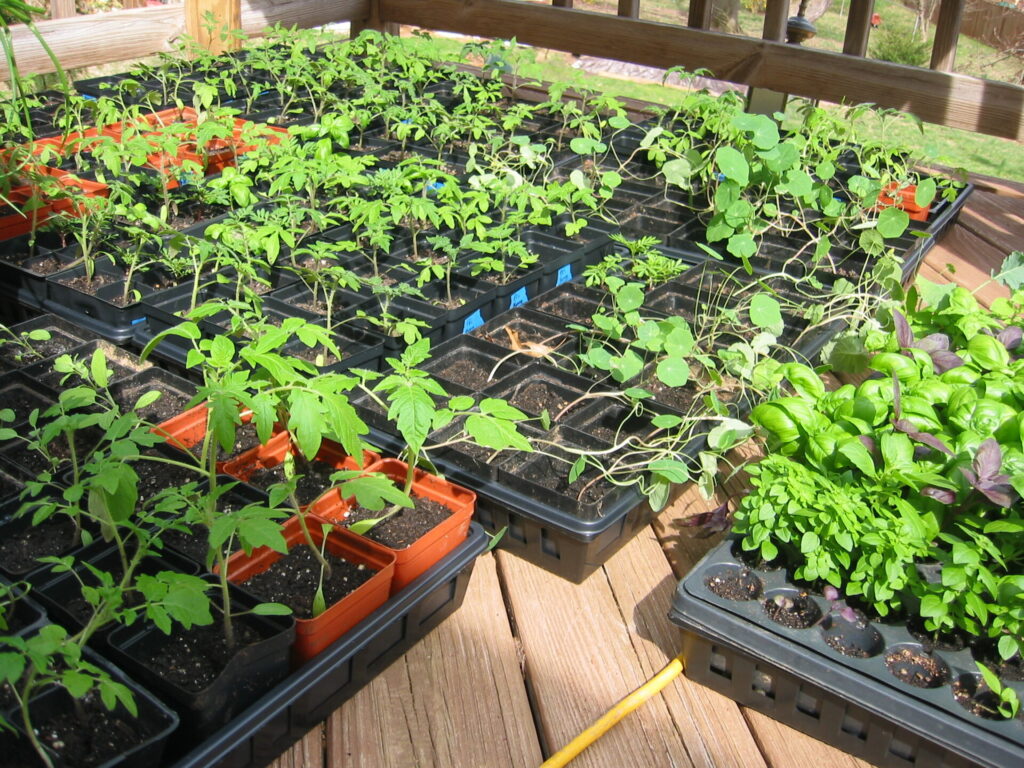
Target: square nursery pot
{"x": 22, "y": 543}
{"x": 24, "y": 268}
{"x": 23, "y": 395}
{"x": 313, "y": 635}
{"x": 252, "y": 670}
{"x": 64, "y": 336}
{"x": 175, "y": 394}
{"x": 186, "y": 431}
{"x": 472, "y": 363}
{"x": 122, "y": 362}
{"x": 15, "y": 221}
{"x": 58, "y": 719}
{"x": 531, "y": 332}
{"x": 539, "y": 387}
{"x": 310, "y": 694}
{"x": 416, "y": 558}
{"x": 871, "y": 689}
{"x": 903, "y": 197}
{"x": 257, "y": 466}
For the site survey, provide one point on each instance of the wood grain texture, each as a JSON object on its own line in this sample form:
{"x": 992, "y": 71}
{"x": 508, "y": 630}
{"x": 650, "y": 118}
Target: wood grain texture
{"x": 140, "y": 32}
{"x": 206, "y": 19}
{"x": 947, "y": 32}
{"x": 784, "y": 747}
{"x": 997, "y": 219}
{"x": 456, "y": 699}
{"x": 306, "y": 753}
{"x": 983, "y": 106}
{"x": 858, "y": 28}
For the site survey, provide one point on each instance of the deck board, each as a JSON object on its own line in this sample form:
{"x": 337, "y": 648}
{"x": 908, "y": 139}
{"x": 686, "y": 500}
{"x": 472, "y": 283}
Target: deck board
{"x": 530, "y": 660}
{"x": 457, "y": 698}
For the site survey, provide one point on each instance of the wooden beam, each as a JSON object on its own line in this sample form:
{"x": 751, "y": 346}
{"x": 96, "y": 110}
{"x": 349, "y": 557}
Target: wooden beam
{"x": 140, "y": 32}
{"x": 947, "y": 32}
{"x": 562, "y": 3}
{"x": 858, "y": 28}
{"x": 629, "y": 9}
{"x": 62, "y": 9}
{"x": 699, "y": 16}
{"x": 776, "y": 15}
{"x": 211, "y": 22}
{"x": 965, "y": 102}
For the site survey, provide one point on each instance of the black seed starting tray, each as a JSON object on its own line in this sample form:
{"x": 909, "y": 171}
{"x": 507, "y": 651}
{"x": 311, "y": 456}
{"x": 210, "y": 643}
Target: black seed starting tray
{"x": 841, "y": 691}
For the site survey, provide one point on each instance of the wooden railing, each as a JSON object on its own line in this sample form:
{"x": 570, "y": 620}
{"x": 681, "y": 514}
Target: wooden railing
{"x": 934, "y": 95}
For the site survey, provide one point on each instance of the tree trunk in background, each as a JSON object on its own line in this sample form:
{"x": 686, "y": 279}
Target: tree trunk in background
{"x": 725, "y": 16}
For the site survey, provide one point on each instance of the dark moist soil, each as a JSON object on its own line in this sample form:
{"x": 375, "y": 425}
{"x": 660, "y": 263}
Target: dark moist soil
{"x": 193, "y": 659}
{"x": 315, "y": 480}
{"x": 554, "y": 475}
{"x": 570, "y": 307}
{"x": 982, "y": 703}
{"x": 92, "y": 735}
{"x": 155, "y": 476}
{"x": 56, "y": 380}
{"x": 404, "y": 527}
{"x": 170, "y": 403}
{"x": 293, "y": 580}
{"x": 857, "y": 639}
{"x": 23, "y": 401}
{"x": 796, "y": 611}
{"x": 469, "y": 372}
{"x": 987, "y": 653}
{"x": 735, "y": 584}
{"x": 16, "y": 355}
{"x": 83, "y": 285}
{"x": 55, "y": 536}
{"x": 245, "y": 439}
{"x": 309, "y": 354}
{"x": 935, "y": 641}
{"x": 46, "y": 265}
{"x": 59, "y": 448}
{"x": 916, "y": 668}
{"x": 537, "y": 396}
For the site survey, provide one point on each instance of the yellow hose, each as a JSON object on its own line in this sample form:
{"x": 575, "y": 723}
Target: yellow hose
{"x": 602, "y": 725}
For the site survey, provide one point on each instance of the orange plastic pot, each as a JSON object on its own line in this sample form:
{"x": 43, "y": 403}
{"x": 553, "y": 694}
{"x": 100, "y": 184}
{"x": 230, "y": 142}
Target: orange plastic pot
{"x": 314, "y": 635}
{"x": 432, "y": 546}
{"x": 17, "y": 222}
{"x": 187, "y": 430}
{"x": 272, "y": 453}
{"x": 904, "y": 198}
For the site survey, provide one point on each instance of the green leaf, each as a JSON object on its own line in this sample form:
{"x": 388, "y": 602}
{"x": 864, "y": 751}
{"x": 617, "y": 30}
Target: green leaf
{"x": 673, "y": 471}
{"x": 629, "y": 298}
{"x": 727, "y": 434}
{"x": 892, "y": 222}
{"x": 272, "y": 609}
{"x": 733, "y": 164}
{"x": 678, "y": 172}
{"x": 854, "y": 450}
{"x": 98, "y": 368}
{"x": 673, "y": 372}
{"x": 1011, "y": 273}
{"x": 849, "y": 355}
{"x": 925, "y": 192}
{"x": 765, "y": 312}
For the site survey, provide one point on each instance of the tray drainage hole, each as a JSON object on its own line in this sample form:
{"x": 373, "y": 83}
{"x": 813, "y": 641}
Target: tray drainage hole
{"x": 762, "y": 684}
{"x": 733, "y": 582}
{"x": 855, "y": 638}
{"x": 970, "y": 692}
{"x": 912, "y": 664}
{"x": 791, "y": 608}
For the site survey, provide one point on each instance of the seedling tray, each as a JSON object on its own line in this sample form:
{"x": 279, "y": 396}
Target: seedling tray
{"x": 855, "y": 704}
{"x": 308, "y": 696}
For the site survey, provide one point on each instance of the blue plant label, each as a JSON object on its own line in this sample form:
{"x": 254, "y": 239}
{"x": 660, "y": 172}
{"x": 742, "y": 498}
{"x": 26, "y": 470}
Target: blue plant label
{"x": 518, "y": 298}
{"x": 472, "y": 322}
{"x": 89, "y": 96}
{"x": 564, "y": 274}
{"x": 138, "y": 320}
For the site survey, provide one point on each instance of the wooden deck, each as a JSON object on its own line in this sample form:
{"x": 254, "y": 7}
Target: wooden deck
{"x": 531, "y": 660}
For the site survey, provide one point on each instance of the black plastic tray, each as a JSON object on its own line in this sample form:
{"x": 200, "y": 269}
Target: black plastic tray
{"x": 854, "y": 704}
{"x": 308, "y": 696}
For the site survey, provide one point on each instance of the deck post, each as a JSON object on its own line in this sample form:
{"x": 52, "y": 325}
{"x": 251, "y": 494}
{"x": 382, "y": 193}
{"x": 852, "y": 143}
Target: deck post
{"x": 700, "y": 14}
{"x": 764, "y": 101}
{"x": 374, "y": 21}
{"x": 947, "y": 31}
{"x": 62, "y": 9}
{"x": 629, "y": 8}
{"x": 858, "y": 27}
{"x": 226, "y": 17}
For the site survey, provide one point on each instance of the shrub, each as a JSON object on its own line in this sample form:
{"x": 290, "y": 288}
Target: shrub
{"x": 900, "y": 47}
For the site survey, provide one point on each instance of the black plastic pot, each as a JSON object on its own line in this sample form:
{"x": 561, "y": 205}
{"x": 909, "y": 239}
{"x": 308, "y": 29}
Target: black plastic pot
{"x": 176, "y": 392}
{"x": 25, "y": 616}
{"x": 250, "y": 673}
{"x": 538, "y": 387}
{"x": 272, "y": 723}
{"x": 796, "y": 676}
{"x": 64, "y": 336}
{"x": 34, "y": 572}
{"x": 156, "y": 721}
{"x": 122, "y": 362}
{"x": 470, "y": 362}
{"x": 24, "y": 281}
{"x": 23, "y": 394}
{"x": 533, "y": 332}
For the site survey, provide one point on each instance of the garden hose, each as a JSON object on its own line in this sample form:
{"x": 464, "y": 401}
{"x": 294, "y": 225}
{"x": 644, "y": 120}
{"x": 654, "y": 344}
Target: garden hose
{"x": 603, "y": 724}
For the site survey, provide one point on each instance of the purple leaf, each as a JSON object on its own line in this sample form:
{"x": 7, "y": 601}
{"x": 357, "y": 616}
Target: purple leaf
{"x": 903, "y": 425}
{"x": 1010, "y": 336}
{"x": 1000, "y": 495}
{"x": 867, "y": 441}
{"x": 831, "y": 593}
{"x": 936, "y": 342}
{"x": 849, "y": 614}
{"x": 988, "y": 460}
{"x": 941, "y": 495}
{"x": 711, "y": 522}
{"x": 897, "y": 401}
{"x": 904, "y": 336}
{"x": 943, "y": 360}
